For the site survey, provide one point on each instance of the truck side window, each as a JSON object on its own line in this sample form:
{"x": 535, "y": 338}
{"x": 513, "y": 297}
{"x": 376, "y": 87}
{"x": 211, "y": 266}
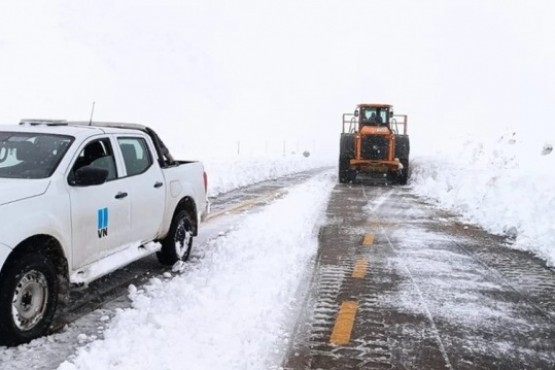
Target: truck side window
{"x": 136, "y": 155}
{"x": 97, "y": 154}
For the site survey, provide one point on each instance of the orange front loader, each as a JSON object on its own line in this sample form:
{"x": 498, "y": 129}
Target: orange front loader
{"x": 374, "y": 141}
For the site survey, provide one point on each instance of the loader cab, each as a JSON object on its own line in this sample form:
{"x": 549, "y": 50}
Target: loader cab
{"x": 374, "y": 115}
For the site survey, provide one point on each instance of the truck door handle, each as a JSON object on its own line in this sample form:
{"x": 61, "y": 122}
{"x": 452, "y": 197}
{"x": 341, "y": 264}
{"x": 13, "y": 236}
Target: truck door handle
{"x": 121, "y": 195}
{"x": 158, "y": 184}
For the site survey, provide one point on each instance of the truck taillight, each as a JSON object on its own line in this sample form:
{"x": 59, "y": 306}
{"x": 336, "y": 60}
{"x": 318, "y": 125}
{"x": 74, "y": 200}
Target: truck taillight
{"x": 205, "y": 178}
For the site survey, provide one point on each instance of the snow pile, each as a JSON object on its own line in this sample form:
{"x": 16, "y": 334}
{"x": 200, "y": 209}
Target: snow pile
{"x": 228, "y": 170}
{"x": 228, "y": 174}
{"x": 505, "y": 185}
{"x": 233, "y": 308}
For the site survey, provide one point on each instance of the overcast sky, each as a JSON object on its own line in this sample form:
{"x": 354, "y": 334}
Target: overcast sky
{"x": 281, "y": 69}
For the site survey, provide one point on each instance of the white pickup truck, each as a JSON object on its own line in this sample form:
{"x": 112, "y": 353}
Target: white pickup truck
{"x": 79, "y": 200}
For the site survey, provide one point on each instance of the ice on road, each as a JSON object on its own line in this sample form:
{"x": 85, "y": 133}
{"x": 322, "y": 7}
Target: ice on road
{"x": 233, "y": 309}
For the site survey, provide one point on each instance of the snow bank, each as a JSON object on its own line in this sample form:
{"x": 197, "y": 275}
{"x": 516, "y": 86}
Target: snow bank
{"x": 505, "y": 185}
{"x": 228, "y": 174}
{"x": 227, "y": 170}
{"x": 232, "y": 309}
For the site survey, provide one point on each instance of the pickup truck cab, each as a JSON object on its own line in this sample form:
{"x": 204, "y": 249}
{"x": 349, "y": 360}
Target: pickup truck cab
{"x": 79, "y": 200}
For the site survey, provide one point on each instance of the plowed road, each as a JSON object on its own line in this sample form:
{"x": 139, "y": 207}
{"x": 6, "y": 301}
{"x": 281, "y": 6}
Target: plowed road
{"x": 399, "y": 284}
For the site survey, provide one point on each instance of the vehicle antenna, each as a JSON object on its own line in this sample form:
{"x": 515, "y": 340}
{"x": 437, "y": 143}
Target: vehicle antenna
{"x": 92, "y": 112}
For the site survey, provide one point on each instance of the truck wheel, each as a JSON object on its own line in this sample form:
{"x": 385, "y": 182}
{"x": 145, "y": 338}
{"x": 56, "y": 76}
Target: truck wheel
{"x": 179, "y": 241}
{"x": 28, "y": 298}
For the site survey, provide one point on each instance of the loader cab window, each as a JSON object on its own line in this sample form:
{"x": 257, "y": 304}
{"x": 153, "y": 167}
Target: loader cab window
{"x": 374, "y": 116}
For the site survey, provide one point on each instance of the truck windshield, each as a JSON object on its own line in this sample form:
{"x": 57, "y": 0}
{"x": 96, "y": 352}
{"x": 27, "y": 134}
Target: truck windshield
{"x": 31, "y": 155}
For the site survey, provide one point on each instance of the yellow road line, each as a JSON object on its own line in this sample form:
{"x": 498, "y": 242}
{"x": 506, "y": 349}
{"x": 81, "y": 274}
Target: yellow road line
{"x": 361, "y": 267}
{"x": 368, "y": 240}
{"x": 242, "y": 206}
{"x": 344, "y": 323}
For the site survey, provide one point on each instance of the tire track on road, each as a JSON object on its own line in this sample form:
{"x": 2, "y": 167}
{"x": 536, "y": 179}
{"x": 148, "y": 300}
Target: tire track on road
{"x": 429, "y": 315}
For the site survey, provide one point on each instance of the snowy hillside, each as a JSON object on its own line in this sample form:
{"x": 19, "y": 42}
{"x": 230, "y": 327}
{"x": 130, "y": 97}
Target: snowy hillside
{"x": 505, "y": 184}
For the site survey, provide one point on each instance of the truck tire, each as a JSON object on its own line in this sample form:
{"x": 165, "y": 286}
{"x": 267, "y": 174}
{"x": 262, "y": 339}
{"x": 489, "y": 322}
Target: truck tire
{"x": 346, "y": 153}
{"x": 178, "y": 243}
{"x": 28, "y": 298}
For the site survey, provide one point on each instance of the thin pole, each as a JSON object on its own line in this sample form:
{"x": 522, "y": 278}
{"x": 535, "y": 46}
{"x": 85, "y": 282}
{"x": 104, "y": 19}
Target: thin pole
{"x": 92, "y": 112}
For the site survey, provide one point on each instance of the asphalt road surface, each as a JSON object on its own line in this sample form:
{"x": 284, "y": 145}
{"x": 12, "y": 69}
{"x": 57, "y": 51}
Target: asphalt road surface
{"x": 399, "y": 284}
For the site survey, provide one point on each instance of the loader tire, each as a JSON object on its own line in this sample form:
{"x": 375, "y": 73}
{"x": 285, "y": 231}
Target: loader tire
{"x": 403, "y": 176}
{"x": 345, "y": 173}
{"x": 402, "y": 147}
{"x": 346, "y": 153}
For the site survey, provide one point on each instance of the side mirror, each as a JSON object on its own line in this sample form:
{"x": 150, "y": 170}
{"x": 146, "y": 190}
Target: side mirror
{"x": 88, "y": 176}
{"x": 356, "y": 113}
{"x": 391, "y": 113}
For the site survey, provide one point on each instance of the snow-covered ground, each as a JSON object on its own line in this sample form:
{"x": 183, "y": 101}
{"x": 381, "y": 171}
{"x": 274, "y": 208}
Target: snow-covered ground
{"x": 207, "y": 75}
{"x": 235, "y": 172}
{"x": 231, "y": 310}
{"x": 505, "y": 184}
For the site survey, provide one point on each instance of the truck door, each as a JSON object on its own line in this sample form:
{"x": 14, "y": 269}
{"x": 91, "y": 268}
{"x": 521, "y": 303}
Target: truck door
{"x": 147, "y": 191}
{"x": 100, "y": 214}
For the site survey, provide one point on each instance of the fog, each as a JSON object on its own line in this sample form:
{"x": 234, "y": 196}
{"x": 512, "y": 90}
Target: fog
{"x": 209, "y": 72}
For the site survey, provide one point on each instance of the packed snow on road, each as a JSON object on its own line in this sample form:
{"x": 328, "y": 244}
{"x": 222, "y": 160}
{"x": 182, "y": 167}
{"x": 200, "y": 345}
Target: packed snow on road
{"x": 232, "y": 310}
